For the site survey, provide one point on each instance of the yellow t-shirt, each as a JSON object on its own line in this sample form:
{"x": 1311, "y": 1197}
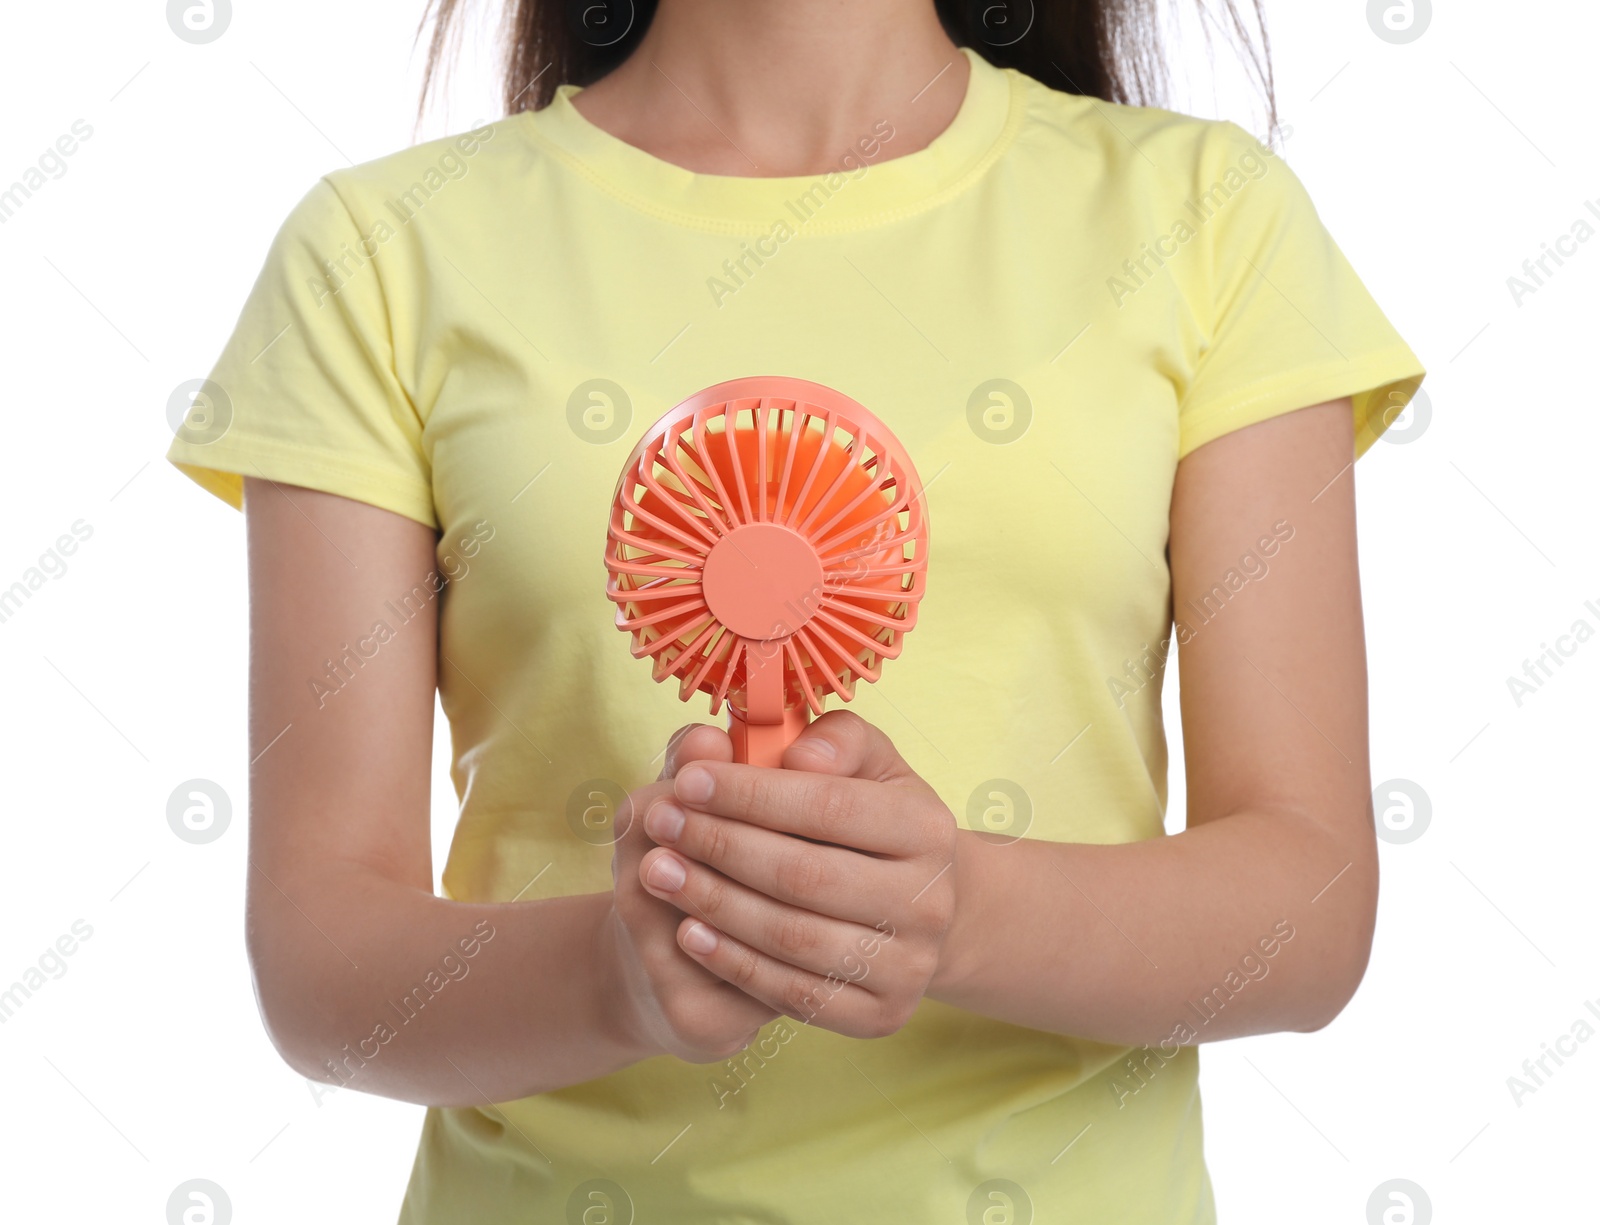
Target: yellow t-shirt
{"x": 1050, "y": 305}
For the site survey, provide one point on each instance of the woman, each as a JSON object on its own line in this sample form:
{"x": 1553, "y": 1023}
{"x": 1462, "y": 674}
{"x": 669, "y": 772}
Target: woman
{"x": 946, "y": 961}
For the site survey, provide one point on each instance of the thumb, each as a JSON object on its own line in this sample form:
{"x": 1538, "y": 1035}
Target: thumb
{"x": 694, "y": 742}
{"x": 843, "y": 744}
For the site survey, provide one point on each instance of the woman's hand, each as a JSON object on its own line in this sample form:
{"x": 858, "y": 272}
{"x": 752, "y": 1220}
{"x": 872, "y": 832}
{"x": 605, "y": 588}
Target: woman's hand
{"x": 823, "y": 890}
{"x": 669, "y": 1004}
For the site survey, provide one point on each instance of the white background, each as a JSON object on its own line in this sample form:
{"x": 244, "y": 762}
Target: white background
{"x": 1439, "y": 165}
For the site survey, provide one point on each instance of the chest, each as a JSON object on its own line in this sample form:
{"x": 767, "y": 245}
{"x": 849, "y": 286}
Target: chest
{"x": 1039, "y": 411}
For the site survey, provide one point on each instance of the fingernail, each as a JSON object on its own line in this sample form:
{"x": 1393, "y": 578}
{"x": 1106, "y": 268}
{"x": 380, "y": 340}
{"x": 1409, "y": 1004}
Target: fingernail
{"x": 694, "y": 784}
{"x": 822, "y": 747}
{"x": 700, "y": 939}
{"x": 667, "y": 873}
{"x": 664, "y": 822}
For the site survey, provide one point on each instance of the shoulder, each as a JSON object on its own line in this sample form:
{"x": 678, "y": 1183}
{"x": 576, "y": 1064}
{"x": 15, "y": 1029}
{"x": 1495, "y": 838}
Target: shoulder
{"x": 1136, "y": 147}
{"x": 399, "y": 213}
{"x": 440, "y": 195}
{"x": 456, "y": 174}
{"x": 447, "y": 181}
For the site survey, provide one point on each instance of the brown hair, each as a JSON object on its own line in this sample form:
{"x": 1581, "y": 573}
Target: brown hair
{"x": 1107, "y": 49}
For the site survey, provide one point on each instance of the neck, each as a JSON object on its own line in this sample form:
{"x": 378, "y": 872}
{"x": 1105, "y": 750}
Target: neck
{"x": 761, "y": 88}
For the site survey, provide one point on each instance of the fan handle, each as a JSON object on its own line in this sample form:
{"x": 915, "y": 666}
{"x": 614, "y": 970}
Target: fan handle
{"x": 762, "y": 744}
{"x": 768, "y": 728}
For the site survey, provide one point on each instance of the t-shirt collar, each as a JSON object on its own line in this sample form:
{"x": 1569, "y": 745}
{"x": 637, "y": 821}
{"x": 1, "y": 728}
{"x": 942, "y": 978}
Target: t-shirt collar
{"x": 870, "y": 191}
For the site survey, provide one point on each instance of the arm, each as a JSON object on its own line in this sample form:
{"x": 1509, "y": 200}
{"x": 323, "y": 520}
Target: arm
{"x": 1104, "y": 942}
{"x": 1273, "y": 701}
{"x": 342, "y": 921}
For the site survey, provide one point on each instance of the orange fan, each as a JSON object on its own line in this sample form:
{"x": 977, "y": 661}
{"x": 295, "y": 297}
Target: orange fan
{"x": 768, "y": 545}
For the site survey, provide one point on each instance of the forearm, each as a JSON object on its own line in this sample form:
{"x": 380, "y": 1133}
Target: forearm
{"x": 374, "y": 984}
{"x": 1231, "y": 927}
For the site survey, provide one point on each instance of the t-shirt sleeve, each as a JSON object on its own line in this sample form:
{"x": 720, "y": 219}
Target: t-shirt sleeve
{"x": 305, "y": 391}
{"x": 1286, "y": 322}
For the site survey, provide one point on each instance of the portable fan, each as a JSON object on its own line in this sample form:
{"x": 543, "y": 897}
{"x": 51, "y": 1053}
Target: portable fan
{"x": 768, "y": 545}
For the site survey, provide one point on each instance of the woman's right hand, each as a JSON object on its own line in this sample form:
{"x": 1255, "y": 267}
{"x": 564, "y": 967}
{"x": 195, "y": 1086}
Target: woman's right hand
{"x": 670, "y": 1004}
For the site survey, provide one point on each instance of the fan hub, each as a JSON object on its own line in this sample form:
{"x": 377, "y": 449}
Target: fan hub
{"x": 763, "y": 581}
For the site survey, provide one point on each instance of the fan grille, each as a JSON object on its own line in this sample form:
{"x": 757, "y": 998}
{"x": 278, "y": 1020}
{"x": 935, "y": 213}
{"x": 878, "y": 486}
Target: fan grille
{"x": 818, "y": 465}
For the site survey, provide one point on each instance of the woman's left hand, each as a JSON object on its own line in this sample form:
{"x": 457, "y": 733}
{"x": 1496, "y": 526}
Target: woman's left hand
{"x": 824, "y": 889}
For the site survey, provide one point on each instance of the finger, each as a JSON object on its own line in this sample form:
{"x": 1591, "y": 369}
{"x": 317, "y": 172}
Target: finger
{"x": 841, "y": 742}
{"x": 851, "y": 812}
{"x": 718, "y": 1006}
{"x": 695, "y": 742}
{"x": 629, "y": 840}
{"x": 813, "y": 876}
{"x": 801, "y": 938}
{"x": 654, "y": 936}
{"x": 834, "y": 1003}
